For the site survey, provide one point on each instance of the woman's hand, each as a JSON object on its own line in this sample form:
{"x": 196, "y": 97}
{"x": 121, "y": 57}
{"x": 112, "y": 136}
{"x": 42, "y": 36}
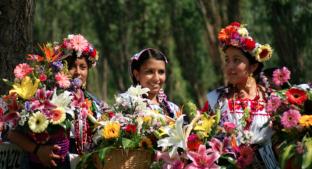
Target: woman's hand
{"x": 47, "y": 156}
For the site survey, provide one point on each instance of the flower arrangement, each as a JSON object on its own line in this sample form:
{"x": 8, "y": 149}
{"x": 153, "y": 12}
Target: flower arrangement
{"x": 237, "y": 35}
{"x": 45, "y": 99}
{"x": 203, "y": 144}
{"x": 130, "y": 126}
{"x": 291, "y": 120}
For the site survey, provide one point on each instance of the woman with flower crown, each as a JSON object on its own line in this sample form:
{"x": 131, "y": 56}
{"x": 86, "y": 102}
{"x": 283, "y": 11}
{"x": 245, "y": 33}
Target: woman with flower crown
{"x": 148, "y": 69}
{"x": 75, "y": 55}
{"x": 242, "y": 102}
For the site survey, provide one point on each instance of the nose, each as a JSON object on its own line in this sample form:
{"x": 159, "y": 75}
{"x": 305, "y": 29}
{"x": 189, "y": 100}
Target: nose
{"x": 156, "y": 77}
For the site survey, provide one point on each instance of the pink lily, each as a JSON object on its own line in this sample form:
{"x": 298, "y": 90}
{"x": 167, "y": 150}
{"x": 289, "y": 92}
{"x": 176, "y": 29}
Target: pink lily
{"x": 203, "y": 159}
{"x": 169, "y": 163}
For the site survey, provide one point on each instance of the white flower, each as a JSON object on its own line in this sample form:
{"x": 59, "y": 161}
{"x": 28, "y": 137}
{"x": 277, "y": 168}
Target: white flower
{"x": 176, "y": 137}
{"x": 23, "y": 117}
{"x": 243, "y": 31}
{"x": 137, "y": 91}
{"x": 63, "y": 101}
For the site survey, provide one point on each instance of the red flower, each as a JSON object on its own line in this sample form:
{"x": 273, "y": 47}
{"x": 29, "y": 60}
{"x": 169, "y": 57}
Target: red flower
{"x": 296, "y": 96}
{"x": 249, "y": 44}
{"x": 193, "y": 142}
{"x": 235, "y": 24}
{"x": 130, "y": 128}
{"x": 111, "y": 114}
{"x": 264, "y": 53}
{"x": 93, "y": 53}
{"x": 42, "y": 77}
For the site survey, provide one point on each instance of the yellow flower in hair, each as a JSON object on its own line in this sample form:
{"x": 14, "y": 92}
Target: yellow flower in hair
{"x": 305, "y": 121}
{"x": 243, "y": 31}
{"x": 38, "y": 122}
{"x": 263, "y": 53}
{"x": 111, "y": 130}
{"x": 26, "y": 89}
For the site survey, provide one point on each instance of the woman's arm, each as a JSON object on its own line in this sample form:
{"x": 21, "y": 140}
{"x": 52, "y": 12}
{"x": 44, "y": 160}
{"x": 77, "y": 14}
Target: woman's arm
{"x": 44, "y": 152}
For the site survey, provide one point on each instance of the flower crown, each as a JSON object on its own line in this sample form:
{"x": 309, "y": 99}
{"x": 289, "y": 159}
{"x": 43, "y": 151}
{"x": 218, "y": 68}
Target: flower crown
{"x": 79, "y": 45}
{"x": 237, "y": 35}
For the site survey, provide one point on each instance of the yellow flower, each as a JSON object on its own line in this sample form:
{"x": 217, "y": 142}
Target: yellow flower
{"x": 305, "y": 121}
{"x": 26, "y": 89}
{"x": 263, "y": 53}
{"x": 204, "y": 125}
{"x": 38, "y": 122}
{"x": 242, "y": 31}
{"x": 146, "y": 143}
{"x": 147, "y": 119}
{"x": 58, "y": 115}
{"x": 111, "y": 130}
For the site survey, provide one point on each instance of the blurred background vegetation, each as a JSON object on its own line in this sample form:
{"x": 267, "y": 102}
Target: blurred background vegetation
{"x": 185, "y": 30}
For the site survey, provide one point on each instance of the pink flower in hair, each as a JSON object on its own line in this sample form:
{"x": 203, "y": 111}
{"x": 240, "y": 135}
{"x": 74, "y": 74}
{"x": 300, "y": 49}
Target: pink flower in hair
{"x": 281, "y": 76}
{"x": 290, "y": 118}
{"x": 62, "y": 80}
{"x": 22, "y": 70}
{"x": 78, "y": 42}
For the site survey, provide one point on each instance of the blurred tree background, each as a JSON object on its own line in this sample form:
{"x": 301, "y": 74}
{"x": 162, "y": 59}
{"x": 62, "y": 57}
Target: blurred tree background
{"x": 185, "y": 30}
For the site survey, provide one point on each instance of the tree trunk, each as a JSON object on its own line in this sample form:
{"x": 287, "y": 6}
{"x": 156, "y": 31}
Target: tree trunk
{"x": 16, "y": 20}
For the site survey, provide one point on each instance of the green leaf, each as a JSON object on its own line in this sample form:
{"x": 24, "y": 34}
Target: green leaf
{"x": 127, "y": 143}
{"x": 286, "y": 153}
{"x": 307, "y": 156}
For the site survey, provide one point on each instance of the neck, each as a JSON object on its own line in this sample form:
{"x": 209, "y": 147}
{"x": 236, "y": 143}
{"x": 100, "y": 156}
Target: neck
{"x": 153, "y": 98}
{"x": 247, "y": 89}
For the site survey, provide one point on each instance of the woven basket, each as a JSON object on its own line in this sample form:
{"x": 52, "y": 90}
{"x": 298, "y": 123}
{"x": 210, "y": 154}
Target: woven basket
{"x": 125, "y": 159}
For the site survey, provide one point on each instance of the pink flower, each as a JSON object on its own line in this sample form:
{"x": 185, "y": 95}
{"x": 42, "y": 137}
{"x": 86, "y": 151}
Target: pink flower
{"x": 281, "y": 76}
{"x": 78, "y": 42}
{"x": 273, "y": 104}
{"x": 229, "y": 127}
{"x": 203, "y": 159}
{"x": 42, "y": 77}
{"x": 22, "y": 70}
{"x": 62, "y": 80}
{"x": 169, "y": 163}
{"x": 290, "y": 118}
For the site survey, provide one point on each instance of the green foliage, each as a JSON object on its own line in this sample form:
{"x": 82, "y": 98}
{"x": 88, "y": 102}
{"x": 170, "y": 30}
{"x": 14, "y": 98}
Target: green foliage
{"x": 120, "y": 28}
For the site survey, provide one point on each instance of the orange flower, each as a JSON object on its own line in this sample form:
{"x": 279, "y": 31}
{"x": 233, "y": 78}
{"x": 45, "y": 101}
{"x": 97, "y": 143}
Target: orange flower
{"x": 305, "y": 121}
{"x": 222, "y": 35}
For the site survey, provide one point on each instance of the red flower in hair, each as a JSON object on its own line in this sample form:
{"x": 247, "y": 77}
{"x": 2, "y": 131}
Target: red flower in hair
{"x": 249, "y": 44}
{"x": 93, "y": 53}
{"x": 235, "y": 24}
{"x": 296, "y": 96}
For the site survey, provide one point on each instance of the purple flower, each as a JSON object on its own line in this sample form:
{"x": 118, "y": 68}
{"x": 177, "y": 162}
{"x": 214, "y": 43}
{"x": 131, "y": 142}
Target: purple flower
{"x": 27, "y": 105}
{"x": 76, "y": 83}
{"x": 57, "y": 66}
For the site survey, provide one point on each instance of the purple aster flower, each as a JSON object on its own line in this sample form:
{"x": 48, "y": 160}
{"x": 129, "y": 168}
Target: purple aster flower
{"x": 57, "y": 66}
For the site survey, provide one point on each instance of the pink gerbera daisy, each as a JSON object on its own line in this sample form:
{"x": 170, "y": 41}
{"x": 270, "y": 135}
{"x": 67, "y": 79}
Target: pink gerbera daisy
{"x": 290, "y": 118}
{"x": 281, "y": 76}
{"x": 62, "y": 80}
{"x": 79, "y": 43}
{"x": 273, "y": 104}
{"x": 22, "y": 70}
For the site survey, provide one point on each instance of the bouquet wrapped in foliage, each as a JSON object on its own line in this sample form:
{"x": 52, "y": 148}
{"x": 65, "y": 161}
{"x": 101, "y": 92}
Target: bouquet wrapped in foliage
{"x": 130, "y": 126}
{"x": 203, "y": 144}
{"x": 292, "y": 120}
{"x": 40, "y": 103}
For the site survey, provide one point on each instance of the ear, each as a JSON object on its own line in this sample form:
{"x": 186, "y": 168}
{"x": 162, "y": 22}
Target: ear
{"x": 136, "y": 74}
{"x": 254, "y": 67}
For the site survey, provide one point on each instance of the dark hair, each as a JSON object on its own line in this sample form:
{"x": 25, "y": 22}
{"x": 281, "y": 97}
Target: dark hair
{"x": 71, "y": 59}
{"x": 140, "y": 58}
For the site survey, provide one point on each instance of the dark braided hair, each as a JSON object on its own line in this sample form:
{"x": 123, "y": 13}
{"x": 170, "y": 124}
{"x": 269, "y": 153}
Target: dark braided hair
{"x": 137, "y": 61}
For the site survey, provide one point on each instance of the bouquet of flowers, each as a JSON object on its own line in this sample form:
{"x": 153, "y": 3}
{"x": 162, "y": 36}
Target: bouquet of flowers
{"x": 291, "y": 120}
{"x": 203, "y": 143}
{"x": 130, "y": 126}
{"x": 40, "y": 102}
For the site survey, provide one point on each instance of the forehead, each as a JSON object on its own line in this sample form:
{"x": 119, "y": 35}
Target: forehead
{"x": 231, "y": 52}
{"x": 152, "y": 63}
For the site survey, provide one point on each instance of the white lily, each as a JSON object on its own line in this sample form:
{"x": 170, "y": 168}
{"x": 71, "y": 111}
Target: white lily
{"x": 176, "y": 137}
{"x": 63, "y": 100}
{"x": 137, "y": 91}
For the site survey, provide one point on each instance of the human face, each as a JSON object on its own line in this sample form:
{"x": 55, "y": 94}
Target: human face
{"x": 237, "y": 67}
{"x": 80, "y": 69}
{"x": 152, "y": 75}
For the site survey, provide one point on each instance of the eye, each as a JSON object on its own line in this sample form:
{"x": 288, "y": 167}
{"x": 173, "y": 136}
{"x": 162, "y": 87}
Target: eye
{"x": 148, "y": 71}
{"x": 161, "y": 72}
{"x": 83, "y": 67}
